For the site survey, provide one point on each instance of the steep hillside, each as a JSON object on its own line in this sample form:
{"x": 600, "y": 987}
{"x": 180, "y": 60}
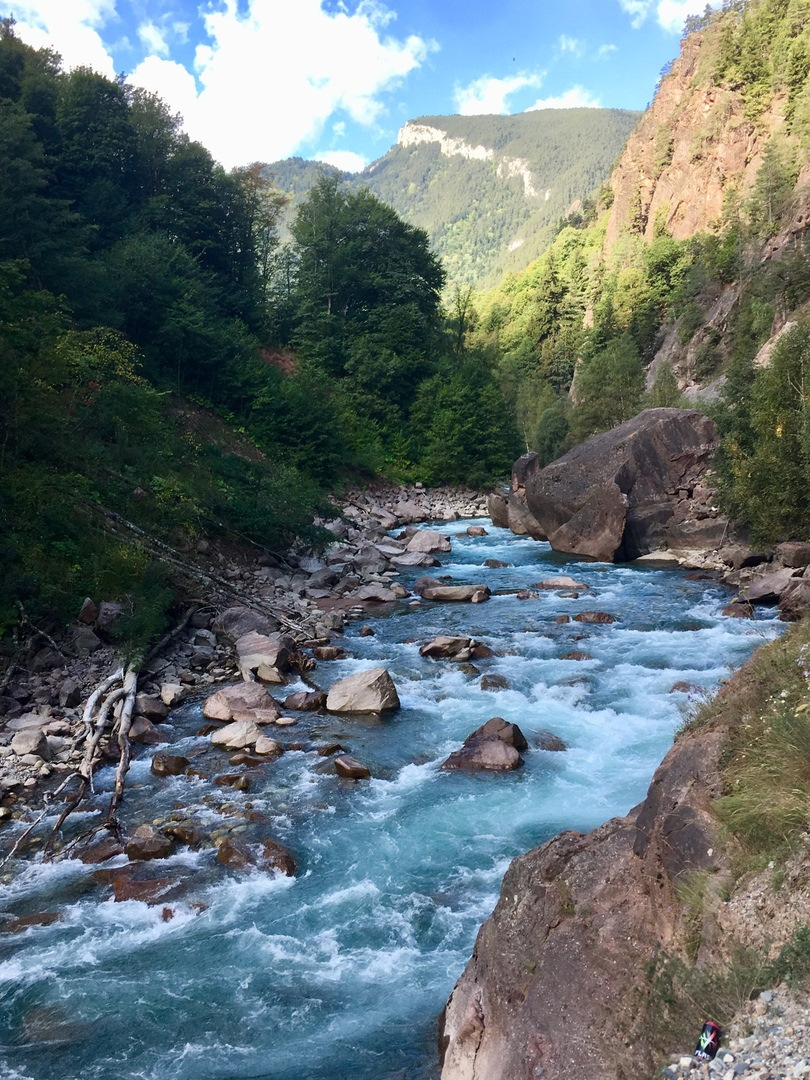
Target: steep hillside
{"x": 489, "y": 190}
{"x": 693, "y": 273}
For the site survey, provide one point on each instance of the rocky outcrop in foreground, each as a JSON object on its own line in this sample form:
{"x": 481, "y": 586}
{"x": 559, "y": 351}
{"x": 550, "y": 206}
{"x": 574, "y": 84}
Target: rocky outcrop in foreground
{"x": 556, "y": 983}
{"x": 636, "y": 489}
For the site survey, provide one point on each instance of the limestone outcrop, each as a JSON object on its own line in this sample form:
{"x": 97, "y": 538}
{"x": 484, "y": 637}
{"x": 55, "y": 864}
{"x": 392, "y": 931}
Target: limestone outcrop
{"x": 630, "y": 491}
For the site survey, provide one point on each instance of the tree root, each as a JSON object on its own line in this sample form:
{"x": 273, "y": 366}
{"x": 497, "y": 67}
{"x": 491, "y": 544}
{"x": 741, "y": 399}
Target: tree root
{"x": 120, "y": 687}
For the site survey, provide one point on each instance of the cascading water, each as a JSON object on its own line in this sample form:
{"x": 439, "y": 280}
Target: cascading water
{"x": 341, "y": 971}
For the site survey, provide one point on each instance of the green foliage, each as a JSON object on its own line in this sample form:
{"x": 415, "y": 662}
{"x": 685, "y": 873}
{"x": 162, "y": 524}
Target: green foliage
{"x": 460, "y": 430}
{"x": 481, "y": 218}
{"x": 766, "y": 451}
{"x": 608, "y": 388}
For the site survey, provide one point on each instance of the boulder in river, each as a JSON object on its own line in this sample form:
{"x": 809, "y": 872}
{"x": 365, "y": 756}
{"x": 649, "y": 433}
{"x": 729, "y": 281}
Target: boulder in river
{"x": 238, "y": 854}
{"x": 769, "y": 588}
{"x": 306, "y": 701}
{"x": 370, "y": 691}
{"x": 498, "y": 510}
{"x": 596, "y": 618}
{"x": 240, "y": 698}
{"x": 427, "y": 540}
{"x": 629, "y": 491}
{"x": 237, "y": 736}
{"x": 409, "y": 559}
{"x": 351, "y": 769}
{"x": 446, "y": 647}
{"x": 562, "y": 582}
{"x": 169, "y": 764}
{"x": 494, "y": 747}
{"x": 547, "y": 740}
{"x": 472, "y": 594}
{"x": 147, "y": 842}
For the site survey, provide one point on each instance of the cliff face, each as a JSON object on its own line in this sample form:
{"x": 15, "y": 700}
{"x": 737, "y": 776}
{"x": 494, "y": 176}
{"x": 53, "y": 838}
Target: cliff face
{"x": 557, "y": 980}
{"x": 689, "y": 148}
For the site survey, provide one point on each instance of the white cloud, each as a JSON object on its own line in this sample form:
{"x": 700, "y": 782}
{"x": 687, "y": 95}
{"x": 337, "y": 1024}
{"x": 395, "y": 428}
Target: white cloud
{"x": 72, "y": 28}
{"x": 575, "y": 98}
{"x": 489, "y": 95}
{"x": 671, "y": 14}
{"x": 638, "y": 10}
{"x": 570, "y": 45}
{"x": 267, "y": 80}
{"x": 153, "y": 39}
{"x": 345, "y": 160}
{"x": 607, "y": 50}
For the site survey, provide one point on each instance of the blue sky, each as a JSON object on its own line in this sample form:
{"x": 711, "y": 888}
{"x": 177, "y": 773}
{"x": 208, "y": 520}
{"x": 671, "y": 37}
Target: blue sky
{"x": 259, "y": 80}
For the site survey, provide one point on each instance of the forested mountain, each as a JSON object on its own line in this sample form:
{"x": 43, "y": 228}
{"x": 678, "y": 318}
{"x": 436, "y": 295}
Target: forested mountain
{"x": 489, "y": 190}
{"x": 166, "y": 375}
{"x": 697, "y": 259}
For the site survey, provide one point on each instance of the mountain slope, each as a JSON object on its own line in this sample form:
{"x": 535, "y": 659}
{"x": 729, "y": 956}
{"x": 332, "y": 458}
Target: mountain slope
{"x": 489, "y": 190}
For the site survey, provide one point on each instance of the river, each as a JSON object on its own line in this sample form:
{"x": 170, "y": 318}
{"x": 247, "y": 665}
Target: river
{"x": 341, "y": 972}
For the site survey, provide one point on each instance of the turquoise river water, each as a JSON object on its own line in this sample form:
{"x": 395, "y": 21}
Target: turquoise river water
{"x": 341, "y": 972}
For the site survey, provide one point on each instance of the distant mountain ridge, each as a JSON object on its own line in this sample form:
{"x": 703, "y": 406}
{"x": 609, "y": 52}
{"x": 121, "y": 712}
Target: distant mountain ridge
{"x": 489, "y": 190}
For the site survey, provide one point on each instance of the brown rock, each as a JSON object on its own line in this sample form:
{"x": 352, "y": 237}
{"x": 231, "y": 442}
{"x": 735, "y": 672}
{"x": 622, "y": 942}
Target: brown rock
{"x": 374, "y": 594}
{"x": 148, "y": 843}
{"x": 351, "y": 769}
{"x": 70, "y": 693}
{"x": 595, "y": 617}
{"x": 238, "y": 735}
{"x": 235, "y": 780}
{"x": 152, "y": 707}
{"x": 476, "y": 530}
{"x": 494, "y": 682}
{"x": 184, "y": 832}
{"x": 475, "y": 594}
{"x": 562, "y": 582}
{"x": 740, "y": 610}
{"x": 109, "y": 612}
{"x": 576, "y": 654}
{"x": 495, "y": 564}
{"x": 255, "y": 650}
{"x": 769, "y": 588}
{"x": 494, "y": 747}
{"x": 547, "y": 740}
{"x": 365, "y": 631}
{"x": 237, "y": 854}
{"x": 329, "y": 652}
{"x": 169, "y": 764}
{"x": 498, "y": 510}
{"x": 88, "y": 613}
{"x": 143, "y": 731}
{"x": 480, "y": 651}
{"x": 23, "y": 922}
{"x": 101, "y": 850}
{"x": 795, "y": 600}
{"x": 445, "y": 647}
{"x": 306, "y": 701}
{"x": 268, "y": 747}
{"x": 793, "y": 553}
{"x": 551, "y": 949}
{"x": 332, "y": 748}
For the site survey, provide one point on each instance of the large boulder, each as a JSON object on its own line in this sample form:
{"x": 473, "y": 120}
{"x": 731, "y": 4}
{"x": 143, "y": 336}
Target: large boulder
{"x": 256, "y": 650}
{"x": 428, "y": 541}
{"x": 629, "y": 491}
{"x": 237, "y": 736}
{"x": 474, "y": 594}
{"x": 498, "y": 509}
{"x": 241, "y": 698}
{"x": 446, "y": 647}
{"x": 371, "y": 691}
{"x": 494, "y": 747}
{"x": 237, "y": 621}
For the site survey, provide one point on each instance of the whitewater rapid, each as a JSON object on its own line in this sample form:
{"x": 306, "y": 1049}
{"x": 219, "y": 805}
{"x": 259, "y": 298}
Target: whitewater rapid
{"x": 341, "y": 971}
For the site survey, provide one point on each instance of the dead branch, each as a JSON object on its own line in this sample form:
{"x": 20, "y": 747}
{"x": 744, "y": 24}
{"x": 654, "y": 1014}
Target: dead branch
{"x": 124, "y": 745}
{"x": 19, "y": 841}
{"x": 161, "y": 551}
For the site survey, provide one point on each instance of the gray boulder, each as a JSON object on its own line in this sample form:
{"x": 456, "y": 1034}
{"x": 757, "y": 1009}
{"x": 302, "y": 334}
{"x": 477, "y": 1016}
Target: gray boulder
{"x": 628, "y": 491}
